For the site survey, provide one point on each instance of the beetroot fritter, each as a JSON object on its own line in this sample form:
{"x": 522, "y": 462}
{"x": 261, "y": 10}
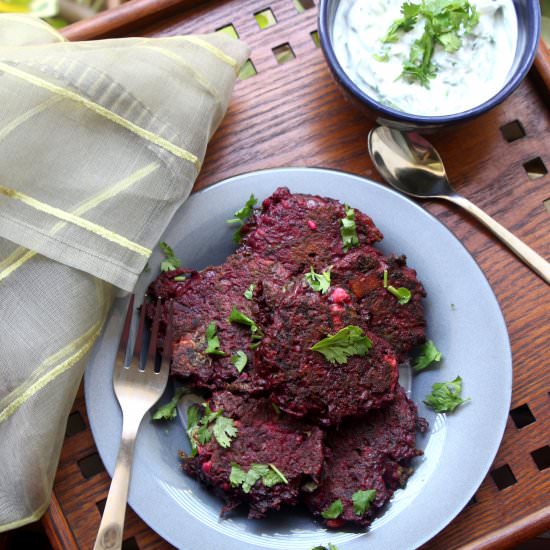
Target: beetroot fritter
{"x": 279, "y": 443}
{"x": 304, "y": 382}
{"x": 373, "y": 452}
{"x": 209, "y": 296}
{"x": 361, "y": 274}
{"x": 302, "y": 230}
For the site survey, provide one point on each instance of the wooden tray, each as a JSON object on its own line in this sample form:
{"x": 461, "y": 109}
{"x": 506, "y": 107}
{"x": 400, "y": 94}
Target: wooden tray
{"x": 291, "y": 114}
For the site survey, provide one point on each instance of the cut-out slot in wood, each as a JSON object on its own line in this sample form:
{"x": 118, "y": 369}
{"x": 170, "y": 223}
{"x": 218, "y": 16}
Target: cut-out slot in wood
{"x": 265, "y": 18}
{"x": 512, "y": 131}
{"x": 547, "y": 205}
{"x": 522, "y": 416}
{"x": 247, "y": 70}
{"x": 303, "y": 5}
{"x": 315, "y": 37}
{"x": 503, "y": 477}
{"x": 130, "y": 544}
{"x": 91, "y": 465}
{"x": 230, "y": 30}
{"x": 535, "y": 168}
{"x": 283, "y": 53}
{"x": 75, "y": 424}
{"x": 101, "y": 505}
{"x": 542, "y": 457}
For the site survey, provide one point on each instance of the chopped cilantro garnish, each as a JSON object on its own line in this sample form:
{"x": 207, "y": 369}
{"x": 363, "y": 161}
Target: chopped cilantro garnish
{"x": 402, "y": 294}
{"x": 211, "y": 424}
{"x": 268, "y": 473}
{"x": 239, "y": 359}
{"x": 224, "y": 430}
{"x": 334, "y": 510}
{"x": 385, "y": 281}
{"x": 445, "y": 396}
{"x": 362, "y": 501}
{"x": 240, "y": 318}
{"x": 180, "y": 278}
{"x": 212, "y": 341}
{"x": 329, "y": 547}
{"x": 319, "y": 282}
{"x": 348, "y": 230}
{"x": 445, "y": 23}
{"x": 168, "y": 411}
{"x": 428, "y": 354}
{"x": 170, "y": 262}
{"x": 241, "y": 216}
{"x": 346, "y": 342}
{"x": 249, "y": 292}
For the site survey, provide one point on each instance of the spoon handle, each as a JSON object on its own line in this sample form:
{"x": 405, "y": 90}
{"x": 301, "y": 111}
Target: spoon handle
{"x": 536, "y": 262}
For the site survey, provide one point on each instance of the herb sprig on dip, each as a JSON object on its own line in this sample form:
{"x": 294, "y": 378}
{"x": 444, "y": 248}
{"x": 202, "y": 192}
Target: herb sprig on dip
{"x": 445, "y": 23}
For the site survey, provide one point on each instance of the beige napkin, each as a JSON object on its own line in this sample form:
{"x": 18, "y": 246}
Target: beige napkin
{"x": 100, "y": 143}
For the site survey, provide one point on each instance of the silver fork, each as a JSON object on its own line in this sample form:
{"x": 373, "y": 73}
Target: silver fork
{"x": 137, "y": 390}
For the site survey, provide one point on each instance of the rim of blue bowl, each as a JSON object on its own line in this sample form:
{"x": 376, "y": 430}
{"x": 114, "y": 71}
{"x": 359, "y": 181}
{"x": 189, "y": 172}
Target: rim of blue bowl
{"x": 532, "y": 40}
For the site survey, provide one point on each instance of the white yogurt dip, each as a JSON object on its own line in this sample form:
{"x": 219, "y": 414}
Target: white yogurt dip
{"x": 464, "y": 78}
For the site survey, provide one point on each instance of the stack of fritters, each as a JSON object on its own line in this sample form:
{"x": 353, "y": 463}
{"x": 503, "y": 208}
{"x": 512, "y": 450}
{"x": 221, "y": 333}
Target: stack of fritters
{"x": 331, "y": 429}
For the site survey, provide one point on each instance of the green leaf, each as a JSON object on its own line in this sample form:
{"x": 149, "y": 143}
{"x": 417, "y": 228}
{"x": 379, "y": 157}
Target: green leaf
{"x": 334, "y": 510}
{"x": 212, "y": 341}
{"x": 348, "y": 229}
{"x": 224, "y": 431}
{"x": 268, "y": 473}
{"x": 445, "y": 396}
{"x": 237, "y": 475}
{"x": 318, "y": 282}
{"x": 362, "y": 501}
{"x": 239, "y": 359}
{"x": 180, "y": 278}
{"x": 240, "y": 318}
{"x": 171, "y": 262}
{"x": 346, "y": 342}
{"x": 249, "y": 292}
{"x": 428, "y": 354}
{"x": 450, "y": 41}
{"x": 402, "y": 294}
{"x": 330, "y": 547}
{"x": 241, "y": 216}
{"x": 168, "y": 411}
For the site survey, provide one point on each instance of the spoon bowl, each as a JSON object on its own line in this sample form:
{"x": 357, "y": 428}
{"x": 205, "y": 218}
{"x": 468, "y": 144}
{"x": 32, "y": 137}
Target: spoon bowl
{"x": 410, "y": 164}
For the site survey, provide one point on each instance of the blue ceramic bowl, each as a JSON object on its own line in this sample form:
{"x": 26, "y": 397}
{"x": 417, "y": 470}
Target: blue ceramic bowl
{"x": 528, "y": 16}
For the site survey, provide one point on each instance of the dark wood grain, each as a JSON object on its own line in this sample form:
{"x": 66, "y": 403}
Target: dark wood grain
{"x": 293, "y": 115}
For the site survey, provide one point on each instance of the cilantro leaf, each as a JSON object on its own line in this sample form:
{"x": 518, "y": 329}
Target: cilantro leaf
{"x": 362, "y": 501}
{"x": 240, "y": 318}
{"x": 348, "y": 229}
{"x": 224, "y": 430}
{"x": 239, "y": 359}
{"x": 274, "y": 477}
{"x": 318, "y": 282}
{"x": 268, "y": 473}
{"x": 330, "y": 547}
{"x": 428, "y": 354}
{"x": 445, "y": 22}
{"x": 241, "y": 216}
{"x": 212, "y": 341}
{"x": 249, "y": 292}
{"x": 334, "y": 510}
{"x": 170, "y": 262}
{"x": 168, "y": 411}
{"x": 346, "y": 342}
{"x": 402, "y": 294}
{"x": 237, "y": 475}
{"x": 445, "y": 396}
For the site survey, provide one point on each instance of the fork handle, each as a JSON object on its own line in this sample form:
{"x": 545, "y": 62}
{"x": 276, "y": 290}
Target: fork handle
{"x": 109, "y": 536}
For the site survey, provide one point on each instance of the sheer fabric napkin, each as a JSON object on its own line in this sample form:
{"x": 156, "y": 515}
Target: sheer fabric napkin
{"x": 100, "y": 143}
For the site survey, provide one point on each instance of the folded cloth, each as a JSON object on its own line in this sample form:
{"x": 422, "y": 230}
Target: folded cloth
{"x": 100, "y": 143}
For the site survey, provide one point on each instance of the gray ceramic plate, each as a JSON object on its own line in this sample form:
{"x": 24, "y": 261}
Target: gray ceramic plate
{"x": 464, "y": 320}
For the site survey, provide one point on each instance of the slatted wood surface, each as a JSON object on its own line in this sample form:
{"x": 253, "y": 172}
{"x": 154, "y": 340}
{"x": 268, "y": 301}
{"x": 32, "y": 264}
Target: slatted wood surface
{"x": 291, "y": 114}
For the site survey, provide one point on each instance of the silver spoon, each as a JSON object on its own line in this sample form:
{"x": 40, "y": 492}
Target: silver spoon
{"x": 411, "y": 164}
